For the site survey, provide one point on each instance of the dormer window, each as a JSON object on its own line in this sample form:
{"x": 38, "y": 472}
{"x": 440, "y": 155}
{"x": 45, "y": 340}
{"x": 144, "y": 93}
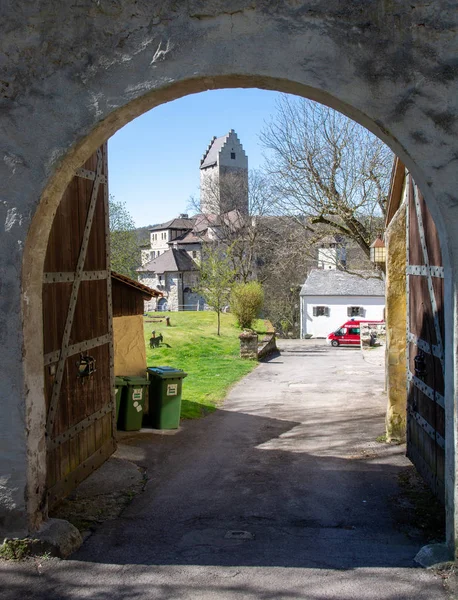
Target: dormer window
{"x": 233, "y": 155}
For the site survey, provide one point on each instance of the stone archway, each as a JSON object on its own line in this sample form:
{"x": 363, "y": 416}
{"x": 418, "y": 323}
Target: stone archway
{"x": 93, "y": 68}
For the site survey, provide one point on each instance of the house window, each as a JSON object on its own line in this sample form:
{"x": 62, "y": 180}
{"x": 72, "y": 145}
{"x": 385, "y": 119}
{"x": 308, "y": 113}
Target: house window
{"x": 233, "y": 155}
{"x": 153, "y": 254}
{"x": 321, "y": 311}
{"x": 194, "y": 253}
{"x": 355, "y": 311}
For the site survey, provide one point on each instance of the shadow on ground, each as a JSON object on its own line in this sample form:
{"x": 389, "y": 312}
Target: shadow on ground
{"x": 250, "y": 495}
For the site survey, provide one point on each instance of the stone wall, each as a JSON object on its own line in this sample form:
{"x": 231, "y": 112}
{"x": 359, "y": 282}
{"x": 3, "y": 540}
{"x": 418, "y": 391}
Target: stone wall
{"x": 75, "y": 73}
{"x": 396, "y": 327}
{"x": 252, "y": 348}
{"x": 267, "y": 346}
{"x": 249, "y": 345}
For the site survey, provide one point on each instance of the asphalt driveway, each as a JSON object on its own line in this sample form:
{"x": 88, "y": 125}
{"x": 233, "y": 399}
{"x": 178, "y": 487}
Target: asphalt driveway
{"x": 283, "y": 493}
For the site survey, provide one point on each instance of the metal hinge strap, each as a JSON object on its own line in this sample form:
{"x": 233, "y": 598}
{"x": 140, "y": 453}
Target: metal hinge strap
{"x": 69, "y": 277}
{"x": 423, "y": 423}
{"x": 427, "y": 391}
{"x": 79, "y": 427}
{"x": 425, "y": 271}
{"x": 53, "y": 357}
{"x": 425, "y": 346}
{"x": 91, "y": 175}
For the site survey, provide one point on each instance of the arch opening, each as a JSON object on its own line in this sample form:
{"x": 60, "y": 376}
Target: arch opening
{"x": 35, "y": 249}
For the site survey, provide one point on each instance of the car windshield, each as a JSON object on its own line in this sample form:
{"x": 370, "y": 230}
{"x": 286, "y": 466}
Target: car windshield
{"x": 340, "y": 331}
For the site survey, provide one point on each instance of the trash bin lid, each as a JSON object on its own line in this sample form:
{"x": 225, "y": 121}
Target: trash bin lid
{"x": 166, "y": 372}
{"x": 136, "y": 380}
{"x": 120, "y": 381}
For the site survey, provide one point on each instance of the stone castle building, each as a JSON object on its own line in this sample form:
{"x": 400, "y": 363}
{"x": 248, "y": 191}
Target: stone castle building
{"x": 171, "y": 261}
{"x": 224, "y": 176}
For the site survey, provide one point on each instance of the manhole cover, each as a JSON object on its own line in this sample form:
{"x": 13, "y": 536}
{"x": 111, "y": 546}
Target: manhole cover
{"x": 238, "y": 534}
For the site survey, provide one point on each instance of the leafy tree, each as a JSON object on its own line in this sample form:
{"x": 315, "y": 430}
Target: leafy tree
{"x": 216, "y": 277}
{"x": 326, "y": 169}
{"x": 246, "y": 302}
{"x": 124, "y": 242}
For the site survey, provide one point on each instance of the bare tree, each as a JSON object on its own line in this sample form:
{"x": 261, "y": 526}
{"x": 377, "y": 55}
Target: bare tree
{"x": 247, "y": 234}
{"x": 326, "y": 169}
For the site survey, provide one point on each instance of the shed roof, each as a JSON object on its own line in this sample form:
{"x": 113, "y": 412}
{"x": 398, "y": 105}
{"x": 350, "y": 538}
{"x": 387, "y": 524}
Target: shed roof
{"x": 142, "y": 289}
{"x": 171, "y": 261}
{"x": 333, "y": 282}
{"x": 398, "y": 173}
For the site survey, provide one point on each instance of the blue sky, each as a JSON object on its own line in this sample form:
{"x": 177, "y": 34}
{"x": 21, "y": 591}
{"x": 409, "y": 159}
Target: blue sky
{"x": 154, "y": 160}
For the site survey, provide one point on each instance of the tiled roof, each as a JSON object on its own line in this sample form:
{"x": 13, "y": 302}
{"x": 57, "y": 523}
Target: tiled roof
{"x": 189, "y": 238}
{"x": 178, "y": 223}
{"x": 171, "y": 261}
{"x": 333, "y": 282}
{"x": 211, "y": 156}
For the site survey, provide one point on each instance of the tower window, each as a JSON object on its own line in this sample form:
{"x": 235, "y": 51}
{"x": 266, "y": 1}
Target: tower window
{"x": 233, "y": 155}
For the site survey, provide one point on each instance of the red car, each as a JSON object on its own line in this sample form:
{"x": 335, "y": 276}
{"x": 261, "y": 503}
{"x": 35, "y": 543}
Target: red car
{"x": 348, "y": 333}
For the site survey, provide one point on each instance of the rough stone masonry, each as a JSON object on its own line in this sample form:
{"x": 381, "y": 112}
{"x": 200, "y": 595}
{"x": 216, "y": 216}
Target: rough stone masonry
{"x": 71, "y": 74}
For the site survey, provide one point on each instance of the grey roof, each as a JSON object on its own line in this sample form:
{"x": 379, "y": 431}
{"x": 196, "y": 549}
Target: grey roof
{"x": 188, "y": 238}
{"x": 178, "y": 223}
{"x": 333, "y": 282}
{"x": 171, "y": 261}
{"x": 211, "y": 156}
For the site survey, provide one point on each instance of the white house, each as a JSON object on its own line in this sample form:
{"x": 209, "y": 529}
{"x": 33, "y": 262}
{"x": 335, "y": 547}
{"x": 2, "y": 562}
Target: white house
{"x": 330, "y": 297}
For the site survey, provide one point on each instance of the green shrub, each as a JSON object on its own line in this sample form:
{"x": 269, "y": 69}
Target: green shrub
{"x": 246, "y": 302}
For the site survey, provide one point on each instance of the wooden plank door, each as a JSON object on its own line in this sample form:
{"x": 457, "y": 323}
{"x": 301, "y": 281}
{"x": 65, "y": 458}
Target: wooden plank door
{"x": 77, "y": 321}
{"x": 425, "y": 344}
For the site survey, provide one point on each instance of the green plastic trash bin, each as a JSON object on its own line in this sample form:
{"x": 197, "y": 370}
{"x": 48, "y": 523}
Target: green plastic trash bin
{"x": 131, "y": 409}
{"x": 165, "y": 397}
{"x": 120, "y": 384}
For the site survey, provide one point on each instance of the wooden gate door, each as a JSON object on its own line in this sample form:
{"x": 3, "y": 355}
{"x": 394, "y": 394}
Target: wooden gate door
{"x": 77, "y": 321}
{"x": 425, "y": 344}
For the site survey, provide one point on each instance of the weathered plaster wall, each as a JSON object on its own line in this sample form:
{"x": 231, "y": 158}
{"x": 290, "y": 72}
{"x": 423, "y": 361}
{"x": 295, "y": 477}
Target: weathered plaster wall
{"x": 129, "y": 346}
{"x": 73, "y": 74}
{"x": 396, "y": 327}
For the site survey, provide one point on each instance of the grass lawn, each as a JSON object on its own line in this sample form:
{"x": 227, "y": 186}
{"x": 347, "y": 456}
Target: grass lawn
{"x": 212, "y": 363}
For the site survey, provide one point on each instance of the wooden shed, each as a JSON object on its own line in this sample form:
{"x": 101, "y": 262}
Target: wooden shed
{"x": 128, "y": 337}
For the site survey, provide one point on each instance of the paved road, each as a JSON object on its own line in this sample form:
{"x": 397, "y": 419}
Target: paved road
{"x": 282, "y": 494}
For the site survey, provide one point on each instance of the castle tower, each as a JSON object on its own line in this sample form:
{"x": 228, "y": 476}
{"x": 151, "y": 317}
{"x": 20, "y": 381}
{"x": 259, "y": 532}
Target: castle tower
{"x": 224, "y": 176}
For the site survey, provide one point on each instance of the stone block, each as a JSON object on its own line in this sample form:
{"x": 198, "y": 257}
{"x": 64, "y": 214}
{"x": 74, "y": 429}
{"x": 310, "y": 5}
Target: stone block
{"x": 58, "y": 537}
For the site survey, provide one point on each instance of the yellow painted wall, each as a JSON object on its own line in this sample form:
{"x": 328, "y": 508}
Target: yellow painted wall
{"x": 129, "y": 346}
{"x": 396, "y": 315}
